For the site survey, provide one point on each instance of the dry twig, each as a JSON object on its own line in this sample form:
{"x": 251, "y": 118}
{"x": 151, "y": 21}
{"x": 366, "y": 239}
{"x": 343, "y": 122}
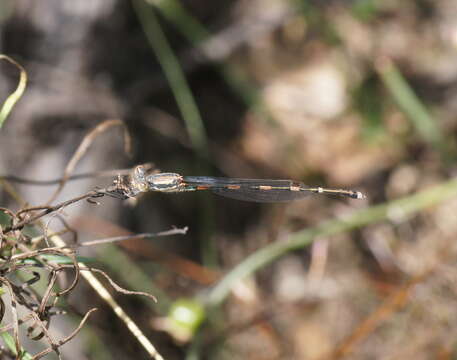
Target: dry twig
{"x": 84, "y": 146}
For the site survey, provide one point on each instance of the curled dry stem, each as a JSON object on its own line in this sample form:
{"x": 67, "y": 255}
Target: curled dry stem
{"x": 55, "y": 345}
{"x": 84, "y": 146}
{"x": 116, "y": 286}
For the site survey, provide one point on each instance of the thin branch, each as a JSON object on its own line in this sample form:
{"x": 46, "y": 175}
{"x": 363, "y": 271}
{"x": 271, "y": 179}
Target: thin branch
{"x": 72, "y": 256}
{"x": 84, "y": 146}
{"x": 56, "y": 181}
{"x": 8, "y": 327}
{"x": 175, "y": 231}
{"x": 66, "y": 339}
{"x": 48, "y": 210}
{"x": 46, "y": 334}
{"x": 36, "y": 240}
{"x": 106, "y": 296}
{"x": 67, "y": 228}
{"x": 116, "y": 286}
{"x": 131, "y": 325}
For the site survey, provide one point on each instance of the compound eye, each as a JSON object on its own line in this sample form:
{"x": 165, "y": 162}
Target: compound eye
{"x": 140, "y": 172}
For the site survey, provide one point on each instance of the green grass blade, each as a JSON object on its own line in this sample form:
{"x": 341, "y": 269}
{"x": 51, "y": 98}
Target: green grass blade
{"x": 410, "y": 104}
{"x": 196, "y": 34}
{"x": 176, "y": 14}
{"x": 186, "y": 104}
{"x": 16, "y": 95}
{"x": 175, "y": 76}
{"x": 398, "y": 208}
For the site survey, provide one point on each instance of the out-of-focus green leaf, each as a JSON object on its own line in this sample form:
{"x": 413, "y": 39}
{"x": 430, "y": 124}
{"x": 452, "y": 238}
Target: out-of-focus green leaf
{"x": 368, "y": 101}
{"x": 185, "y": 316}
{"x": 10, "y": 343}
{"x": 365, "y": 10}
{"x": 6, "y": 10}
{"x": 5, "y": 219}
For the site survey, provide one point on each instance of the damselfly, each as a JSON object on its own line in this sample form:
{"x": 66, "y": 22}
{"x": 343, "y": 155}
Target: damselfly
{"x": 257, "y": 190}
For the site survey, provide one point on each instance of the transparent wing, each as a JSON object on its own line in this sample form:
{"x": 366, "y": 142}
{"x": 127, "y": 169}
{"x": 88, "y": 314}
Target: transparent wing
{"x": 247, "y": 193}
{"x": 256, "y": 190}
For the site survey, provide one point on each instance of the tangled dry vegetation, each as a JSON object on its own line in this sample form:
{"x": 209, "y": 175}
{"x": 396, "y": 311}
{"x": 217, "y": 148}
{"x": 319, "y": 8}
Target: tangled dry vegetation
{"x": 48, "y": 260}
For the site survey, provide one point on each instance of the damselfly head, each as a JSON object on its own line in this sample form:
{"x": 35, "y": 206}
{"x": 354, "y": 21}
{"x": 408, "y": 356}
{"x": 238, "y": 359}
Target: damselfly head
{"x": 120, "y": 188}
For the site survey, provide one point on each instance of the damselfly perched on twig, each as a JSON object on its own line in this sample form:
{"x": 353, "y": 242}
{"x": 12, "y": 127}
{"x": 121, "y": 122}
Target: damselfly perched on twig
{"x": 257, "y": 190}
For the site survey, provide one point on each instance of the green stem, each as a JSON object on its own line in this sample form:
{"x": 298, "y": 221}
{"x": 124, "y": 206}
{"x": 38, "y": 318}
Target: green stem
{"x": 196, "y": 33}
{"x": 184, "y": 99}
{"x": 410, "y": 104}
{"x": 175, "y": 76}
{"x": 395, "y": 210}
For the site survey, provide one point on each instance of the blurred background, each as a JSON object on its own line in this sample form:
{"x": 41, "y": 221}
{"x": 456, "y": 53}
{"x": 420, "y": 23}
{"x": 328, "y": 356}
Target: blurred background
{"x": 358, "y": 94}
